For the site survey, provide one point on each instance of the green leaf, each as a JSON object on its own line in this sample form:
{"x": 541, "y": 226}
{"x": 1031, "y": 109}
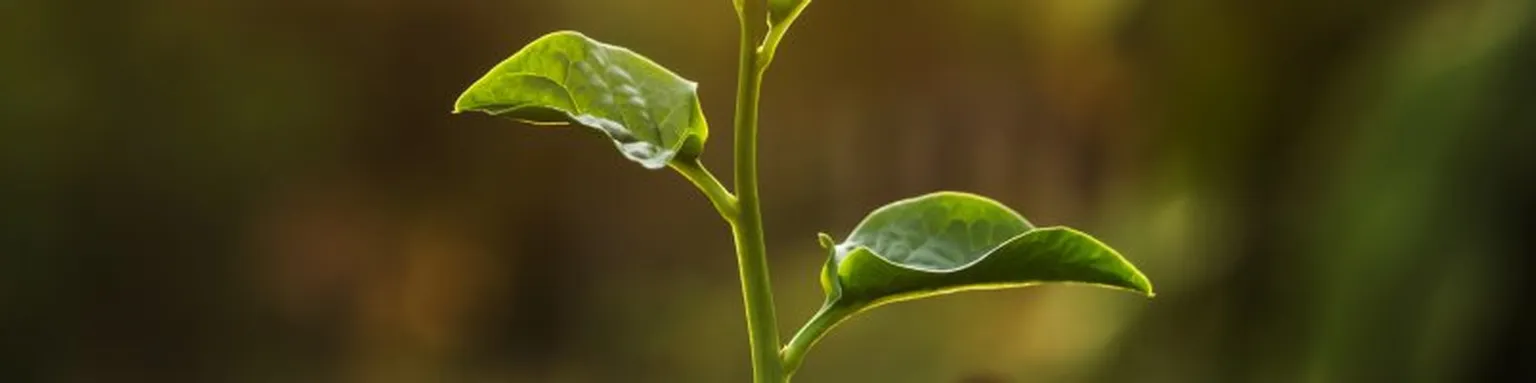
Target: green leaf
{"x": 652, "y": 115}
{"x": 948, "y": 242}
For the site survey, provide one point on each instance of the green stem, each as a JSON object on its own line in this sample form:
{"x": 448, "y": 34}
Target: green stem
{"x": 751, "y": 251}
{"x": 776, "y": 33}
{"x": 794, "y": 353}
{"x": 724, "y": 202}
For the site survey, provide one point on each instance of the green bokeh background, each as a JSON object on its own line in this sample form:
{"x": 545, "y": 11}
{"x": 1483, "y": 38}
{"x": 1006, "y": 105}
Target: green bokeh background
{"x": 274, "y": 191}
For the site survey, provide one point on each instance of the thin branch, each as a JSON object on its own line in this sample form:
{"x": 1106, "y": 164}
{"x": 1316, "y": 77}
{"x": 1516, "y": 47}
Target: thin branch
{"x": 724, "y": 201}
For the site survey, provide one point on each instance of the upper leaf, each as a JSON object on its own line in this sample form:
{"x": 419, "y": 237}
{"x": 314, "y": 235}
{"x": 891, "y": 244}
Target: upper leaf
{"x": 652, "y": 115}
{"x": 946, "y": 242}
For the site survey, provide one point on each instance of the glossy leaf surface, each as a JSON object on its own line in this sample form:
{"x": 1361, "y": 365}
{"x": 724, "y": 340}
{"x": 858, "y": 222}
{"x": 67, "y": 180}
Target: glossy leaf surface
{"x": 947, "y": 242}
{"x": 651, "y": 114}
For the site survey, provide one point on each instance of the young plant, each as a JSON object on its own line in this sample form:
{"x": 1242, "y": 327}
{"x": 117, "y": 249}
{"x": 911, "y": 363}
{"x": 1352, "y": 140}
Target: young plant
{"x": 924, "y": 246}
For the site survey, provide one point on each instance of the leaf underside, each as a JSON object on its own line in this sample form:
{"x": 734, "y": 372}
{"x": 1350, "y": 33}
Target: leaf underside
{"x": 652, "y": 115}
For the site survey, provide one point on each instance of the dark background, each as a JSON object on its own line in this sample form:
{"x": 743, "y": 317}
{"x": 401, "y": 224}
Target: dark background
{"x": 274, "y": 191}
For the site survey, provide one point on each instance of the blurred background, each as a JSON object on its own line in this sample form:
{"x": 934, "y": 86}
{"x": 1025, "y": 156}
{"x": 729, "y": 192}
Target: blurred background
{"x": 274, "y": 191}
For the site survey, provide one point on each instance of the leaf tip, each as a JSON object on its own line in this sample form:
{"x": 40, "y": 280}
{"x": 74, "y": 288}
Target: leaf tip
{"x": 1143, "y": 285}
{"x": 463, "y": 102}
{"x": 826, "y": 240}
{"x": 1138, "y": 281}
{"x": 1132, "y": 280}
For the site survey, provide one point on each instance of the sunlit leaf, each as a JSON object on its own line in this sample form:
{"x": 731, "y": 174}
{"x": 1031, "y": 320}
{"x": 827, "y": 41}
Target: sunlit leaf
{"x": 948, "y": 242}
{"x": 652, "y": 115}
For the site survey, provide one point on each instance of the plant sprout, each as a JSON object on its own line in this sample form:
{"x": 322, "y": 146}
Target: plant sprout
{"x": 924, "y": 246}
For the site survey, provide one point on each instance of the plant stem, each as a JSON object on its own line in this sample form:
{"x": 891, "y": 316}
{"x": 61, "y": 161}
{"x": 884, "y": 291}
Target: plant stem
{"x": 776, "y": 33}
{"x": 751, "y": 251}
{"x": 724, "y": 201}
{"x": 826, "y": 318}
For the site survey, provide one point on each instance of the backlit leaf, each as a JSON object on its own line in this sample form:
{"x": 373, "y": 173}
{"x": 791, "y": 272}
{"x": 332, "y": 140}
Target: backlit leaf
{"x": 949, "y": 242}
{"x": 652, "y": 115}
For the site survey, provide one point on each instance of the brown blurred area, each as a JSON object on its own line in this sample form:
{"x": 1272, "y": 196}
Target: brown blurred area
{"x": 274, "y": 191}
